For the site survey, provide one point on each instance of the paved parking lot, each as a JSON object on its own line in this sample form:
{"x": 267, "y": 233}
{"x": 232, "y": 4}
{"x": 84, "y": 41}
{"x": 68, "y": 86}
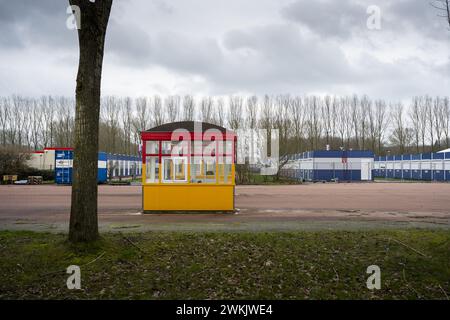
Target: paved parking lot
{"x": 260, "y": 207}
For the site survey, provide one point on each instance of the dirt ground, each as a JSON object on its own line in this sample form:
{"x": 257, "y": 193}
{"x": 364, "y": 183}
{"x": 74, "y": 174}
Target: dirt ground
{"x": 360, "y": 205}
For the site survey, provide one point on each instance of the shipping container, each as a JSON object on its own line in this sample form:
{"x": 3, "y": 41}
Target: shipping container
{"x": 110, "y": 166}
{"x": 64, "y": 167}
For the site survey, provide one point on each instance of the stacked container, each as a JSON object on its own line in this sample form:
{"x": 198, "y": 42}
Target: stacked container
{"x": 422, "y": 166}
{"x": 64, "y": 167}
{"x": 330, "y": 166}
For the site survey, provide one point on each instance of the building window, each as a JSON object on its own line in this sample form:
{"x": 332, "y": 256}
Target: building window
{"x": 225, "y": 170}
{"x": 174, "y": 169}
{"x": 166, "y": 147}
{"x": 208, "y": 162}
{"x": 152, "y": 169}
{"x": 203, "y": 170}
{"x": 180, "y": 169}
{"x": 209, "y": 168}
{"x": 152, "y": 147}
{"x": 225, "y": 147}
{"x": 209, "y": 148}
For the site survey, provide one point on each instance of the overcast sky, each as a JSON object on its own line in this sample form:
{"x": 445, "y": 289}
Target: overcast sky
{"x": 217, "y": 47}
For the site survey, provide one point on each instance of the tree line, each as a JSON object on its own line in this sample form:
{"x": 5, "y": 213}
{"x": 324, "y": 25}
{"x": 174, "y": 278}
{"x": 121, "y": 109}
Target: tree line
{"x": 304, "y": 122}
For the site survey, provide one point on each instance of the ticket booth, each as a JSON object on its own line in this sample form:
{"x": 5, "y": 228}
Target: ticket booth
{"x": 188, "y": 167}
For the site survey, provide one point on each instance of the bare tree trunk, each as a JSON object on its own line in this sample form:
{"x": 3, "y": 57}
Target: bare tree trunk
{"x": 158, "y": 111}
{"x": 4, "y": 119}
{"x": 343, "y": 120}
{"x": 399, "y": 134}
{"x": 126, "y": 114}
{"x": 365, "y": 105}
{"x": 91, "y": 35}
{"x": 414, "y": 115}
{"x": 206, "y": 109}
{"x": 423, "y": 121}
{"x": 382, "y": 122}
{"x": 172, "y": 108}
{"x": 371, "y": 126}
{"x": 356, "y": 119}
{"x": 235, "y": 112}
{"x": 219, "y": 112}
{"x": 430, "y": 119}
{"x": 438, "y": 119}
{"x": 142, "y": 122}
{"x": 188, "y": 108}
{"x": 298, "y": 119}
{"x": 326, "y": 118}
{"x": 446, "y": 122}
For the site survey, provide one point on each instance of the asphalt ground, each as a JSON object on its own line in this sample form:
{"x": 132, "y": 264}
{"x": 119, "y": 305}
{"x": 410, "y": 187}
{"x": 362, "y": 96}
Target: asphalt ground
{"x": 260, "y": 208}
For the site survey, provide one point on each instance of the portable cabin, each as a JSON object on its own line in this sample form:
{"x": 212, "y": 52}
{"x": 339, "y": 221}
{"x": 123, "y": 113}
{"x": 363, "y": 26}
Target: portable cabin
{"x": 43, "y": 160}
{"x": 188, "y": 166}
{"x": 422, "y": 166}
{"x": 332, "y": 166}
{"x": 36, "y": 160}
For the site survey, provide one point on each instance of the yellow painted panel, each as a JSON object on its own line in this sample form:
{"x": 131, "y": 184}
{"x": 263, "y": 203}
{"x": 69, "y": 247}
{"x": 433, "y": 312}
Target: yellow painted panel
{"x": 188, "y": 197}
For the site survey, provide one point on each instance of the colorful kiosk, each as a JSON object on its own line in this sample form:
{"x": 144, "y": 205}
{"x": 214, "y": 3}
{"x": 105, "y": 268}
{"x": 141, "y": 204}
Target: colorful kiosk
{"x": 188, "y": 166}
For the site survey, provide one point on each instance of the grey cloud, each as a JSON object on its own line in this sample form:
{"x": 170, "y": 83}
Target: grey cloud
{"x": 417, "y": 15}
{"x": 342, "y": 19}
{"x": 129, "y": 44}
{"x": 173, "y": 50}
{"x": 163, "y": 6}
{"x": 328, "y": 18}
{"x": 285, "y": 56}
{"x": 14, "y": 10}
{"x": 187, "y": 53}
{"x": 271, "y": 54}
{"x": 40, "y": 23}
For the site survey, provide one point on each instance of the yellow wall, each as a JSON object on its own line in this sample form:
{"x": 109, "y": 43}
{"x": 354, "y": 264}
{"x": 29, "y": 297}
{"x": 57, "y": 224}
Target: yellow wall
{"x": 188, "y": 197}
{"x": 161, "y": 196}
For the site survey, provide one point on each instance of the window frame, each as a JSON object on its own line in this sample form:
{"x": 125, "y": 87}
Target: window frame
{"x": 173, "y": 161}
{"x": 157, "y": 166}
{"x": 220, "y": 154}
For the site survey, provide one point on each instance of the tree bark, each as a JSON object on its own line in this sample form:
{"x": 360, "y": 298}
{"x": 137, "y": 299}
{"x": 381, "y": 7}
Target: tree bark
{"x": 91, "y": 36}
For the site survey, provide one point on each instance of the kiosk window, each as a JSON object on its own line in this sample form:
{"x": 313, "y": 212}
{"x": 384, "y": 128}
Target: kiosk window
{"x": 174, "y": 169}
{"x": 152, "y": 147}
{"x": 166, "y": 147}
{"x": 203, "y": 170}
{"x": 152, "y": 169}
{"x": 225, "y": 170}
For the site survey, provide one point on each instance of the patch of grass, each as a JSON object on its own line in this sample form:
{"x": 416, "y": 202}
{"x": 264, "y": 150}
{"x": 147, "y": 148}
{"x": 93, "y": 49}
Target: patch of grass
{"x": 257, "y": 179}
{"x": 415, "y": 264}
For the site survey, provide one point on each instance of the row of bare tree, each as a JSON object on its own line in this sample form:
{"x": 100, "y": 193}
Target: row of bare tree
{"x": 304, "y": 123}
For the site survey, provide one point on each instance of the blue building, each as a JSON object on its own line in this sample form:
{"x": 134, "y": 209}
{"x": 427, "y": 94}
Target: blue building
{"x": 120, "y": 165}
{"x": 422, "y": 166}
{"x": 109, "y": 166}
{"x": 330, "y": 166}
